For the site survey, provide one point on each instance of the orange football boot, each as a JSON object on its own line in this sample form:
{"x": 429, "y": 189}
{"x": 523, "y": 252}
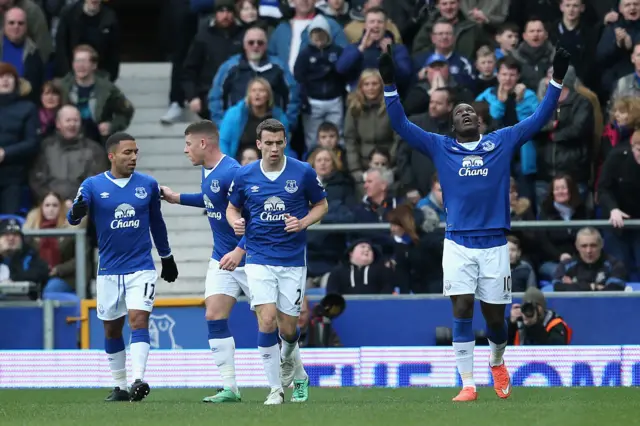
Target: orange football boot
{"x": 466, "y": 394}
{"x": 501, "y": 381}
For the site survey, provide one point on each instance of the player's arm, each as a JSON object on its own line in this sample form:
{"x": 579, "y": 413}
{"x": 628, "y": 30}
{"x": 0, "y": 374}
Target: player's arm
{"x": 316, "y": 213}
{"x": 81, "y": 204}
{"x": 417, "y": 138}
{"x": 317, "y": 196}
{"x": 157, "y": 225}
{"x": 236, "y": 201}
{"x": 231, "y": 260}
{"x": 522, "y": 132}
{"x": 191, "y": 200}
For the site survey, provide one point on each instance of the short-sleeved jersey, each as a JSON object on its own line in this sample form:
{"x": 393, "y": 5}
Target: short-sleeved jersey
{"x": 267, "y": 201}
{"x": 124, "y": 210}
{"x": 215, "y": 192}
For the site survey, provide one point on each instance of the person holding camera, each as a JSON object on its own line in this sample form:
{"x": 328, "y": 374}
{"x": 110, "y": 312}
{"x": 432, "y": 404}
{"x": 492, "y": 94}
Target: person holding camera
{"x": 531, "y": 323}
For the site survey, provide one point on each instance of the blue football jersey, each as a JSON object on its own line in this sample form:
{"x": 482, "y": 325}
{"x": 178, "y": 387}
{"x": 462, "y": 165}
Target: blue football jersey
{"x": 124, "y": 210}
{"x": 475, "y": 182}
{"x": 214, "y": 198}
{"x": 267, "y": 202}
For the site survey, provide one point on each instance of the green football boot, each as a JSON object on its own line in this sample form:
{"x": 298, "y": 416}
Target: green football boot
{"x": 300, "y": 390}
{"x": 223, "y": 395}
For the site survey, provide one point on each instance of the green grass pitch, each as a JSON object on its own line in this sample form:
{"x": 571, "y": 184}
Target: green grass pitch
{"x": 328, "y": 407}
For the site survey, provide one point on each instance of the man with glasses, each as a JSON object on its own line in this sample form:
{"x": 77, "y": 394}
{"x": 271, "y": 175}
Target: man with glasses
{"x": 233, "y": 76}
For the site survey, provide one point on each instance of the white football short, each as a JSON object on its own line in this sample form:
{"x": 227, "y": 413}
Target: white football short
{"x": 486, "y": 273}
{"x": 218, "y": 281}
{"x": 116, "y": 294}
{"x": 282, "y": 285}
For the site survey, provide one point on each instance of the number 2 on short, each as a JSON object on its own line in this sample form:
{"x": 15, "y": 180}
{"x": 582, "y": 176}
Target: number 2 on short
{"x": 507, "y": 284}
{"x": 299, "y": 299}
{"x": 146, "y": 290}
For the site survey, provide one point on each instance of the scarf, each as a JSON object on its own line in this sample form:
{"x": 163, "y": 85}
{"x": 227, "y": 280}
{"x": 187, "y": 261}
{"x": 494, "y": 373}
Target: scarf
{"x": 565, "y": 211}
{"x": 47, "y": 119}
{"x": 49, "y": 246}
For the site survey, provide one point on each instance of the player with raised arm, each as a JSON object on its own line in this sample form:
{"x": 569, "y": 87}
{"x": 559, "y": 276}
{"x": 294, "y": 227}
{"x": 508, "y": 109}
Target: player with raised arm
{"x": 474, "y": 171}
{"x": 226, "y": 280}
{"x": 125, "y": 205}
{"x": 282, "y": 197}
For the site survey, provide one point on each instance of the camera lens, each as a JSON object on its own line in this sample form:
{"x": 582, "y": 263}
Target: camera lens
{"x": 528, "y": 309}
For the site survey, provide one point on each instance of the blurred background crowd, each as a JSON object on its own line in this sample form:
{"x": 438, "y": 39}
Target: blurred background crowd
{"x": 312, "y": 65}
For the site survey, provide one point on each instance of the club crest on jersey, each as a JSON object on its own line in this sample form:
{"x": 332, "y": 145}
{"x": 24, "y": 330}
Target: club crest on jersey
{"x": 473, "y": 165}
{"x": 291, "y": 186}
{"x": 215, "y": 186}
{"x": 273, "y": 210}
{"x": 488, "y": 146}
{"x": 141, "y": 193}
{"x": 124, "y": 217}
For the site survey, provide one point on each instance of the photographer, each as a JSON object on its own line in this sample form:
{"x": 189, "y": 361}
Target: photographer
{"x": 316, "y": 330}
{"x": 531, "y": 323}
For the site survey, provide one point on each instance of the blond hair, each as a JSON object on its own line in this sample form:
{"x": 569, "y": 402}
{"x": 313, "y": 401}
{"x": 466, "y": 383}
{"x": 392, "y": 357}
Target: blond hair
{"x": 265, "y": 84}
{"x": 630, "y": 105}
{"x": 357, "y": 101}
{"x": 337, "y": 163}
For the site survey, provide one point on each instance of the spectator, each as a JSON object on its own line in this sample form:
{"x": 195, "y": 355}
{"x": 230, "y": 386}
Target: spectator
{"x": 249, "y": 155}
{"x": 19, "y": 138}
{"x": 432, "y": 205}
{"x": 416, "y": 170}
{"x": 416, "y": 268}
{"x": 37, "y": 28}
{"x": 547, "y": 11}
{"x": 485, "y": 12}
{"x": 535, "y": 53}
{"x": 521, "y": 209}
{"x": 486, "y": 66}
{"x": 357, "y": 27}
{"x": 103, "y": 107}
{"x": 618, "y": 195}
{"x": 364, "y": 273}
{"x": 57, "y": 252}
{"x": 435, "y": 75}
{"x": 246, "y": 12}
{"x": 238, "y": 128}
{"x": 629, "y": 85}
{"x": 379, "y": 158}
{"x": 338, "y": 10}
{"x": 522, "y": 274}
{"x": 212, "y": 46}
{"x": 563, "y": 202}
{"x": 579, "y": 38}
{"x": 88, "y": 22}
{"x": 366, "y": 125}
{"x": 625, "y": 117}
{"x": 328, "y": 137}
{"x": 616, "y": 44}
{"x": 510, "y": 103}
{"x": 533, "y": 324}
{"x": 324, "y": 249}
{"x": 232, "y": 78}
{"x": 321, "y": 87}
{"x": 443, "y": 39}
{"x": 291, "y": 36}
{"x": 66, "y": 159}
{"x": 51, "y": 101}
{"x": 23, "y": 262}
{"x": 507, "y": 37}
{"x": 364, "y": 53}
{"x": 486, "y": 123}
{"x": 316, "y": 330}
{"x": 592, "y": 270}
{"x": 467, "y": 34}
{"x": 564, "y": 145}
{"x": 21, "y": 52}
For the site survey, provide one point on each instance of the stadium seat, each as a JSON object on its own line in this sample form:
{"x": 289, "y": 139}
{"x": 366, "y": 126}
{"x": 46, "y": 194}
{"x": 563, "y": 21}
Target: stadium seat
{"x": 544, "y": 283}
{"x": 547, "y": 288}
{"x": 633, "y": 286}
{"x": 316, "y": 291}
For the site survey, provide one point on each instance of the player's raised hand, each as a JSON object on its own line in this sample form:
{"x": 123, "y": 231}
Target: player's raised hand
{"x": 169, "y": 196}
{"x": 386, "y": 67}
{"x": 561, "y": 62}
{"x": 231, "y": 260}
{"x": 292, "y": 224}
{"x": 79, "y": 208}
{"x": 169, "y": 269}
{"x": 238, "y": 226}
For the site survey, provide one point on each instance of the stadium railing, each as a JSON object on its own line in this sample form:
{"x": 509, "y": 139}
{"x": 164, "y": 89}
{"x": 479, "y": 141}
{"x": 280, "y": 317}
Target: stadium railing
{"x": 80, "y": 236}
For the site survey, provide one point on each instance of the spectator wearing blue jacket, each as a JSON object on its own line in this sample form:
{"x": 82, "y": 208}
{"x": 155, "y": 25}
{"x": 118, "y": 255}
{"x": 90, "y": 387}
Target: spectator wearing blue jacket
{"x": 238, "y": 128}
{"x": 291, "y": 36}
{"x": 510, "y": 103}
{"x": 321, "y": 87}
{"x": 231, "y": 81}
{"x": 365, "y": 53}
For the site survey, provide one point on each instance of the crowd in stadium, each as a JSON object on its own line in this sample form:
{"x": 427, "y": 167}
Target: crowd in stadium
{"x": 313, "y": 66}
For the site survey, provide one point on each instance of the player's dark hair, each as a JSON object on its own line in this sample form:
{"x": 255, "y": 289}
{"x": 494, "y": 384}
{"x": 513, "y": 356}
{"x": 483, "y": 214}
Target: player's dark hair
{"x": 114, "y": 140}
{"x": 206, "y": 127}
{"x": 574, "y": 195}
{"x": 328, "y": 126}
{"x": 270, "y": 125}
{"x": 509, "y": 63}
{"x": 508, "y": 26}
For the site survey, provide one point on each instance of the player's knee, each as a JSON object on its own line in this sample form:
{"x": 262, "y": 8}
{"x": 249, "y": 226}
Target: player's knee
{"x": 267, "y": 319}
{"x": 215, "y": 315}
{"x": 463, "y": 305}
{"x": 138, "y": 320}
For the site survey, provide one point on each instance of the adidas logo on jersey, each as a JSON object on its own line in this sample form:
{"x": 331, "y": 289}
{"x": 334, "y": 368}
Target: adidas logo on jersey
{"x": 273, "y": 210}
{"x": 210, "y": 210}
{"x": 125, "y": 217}
{"x": 473, "y": 165}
